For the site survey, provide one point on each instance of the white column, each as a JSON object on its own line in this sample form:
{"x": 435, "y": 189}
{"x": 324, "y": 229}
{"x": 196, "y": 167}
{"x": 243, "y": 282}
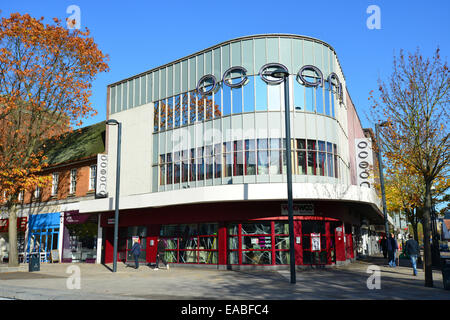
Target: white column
{"x": 61, "y": 235}
{"x": 99, "y": 240}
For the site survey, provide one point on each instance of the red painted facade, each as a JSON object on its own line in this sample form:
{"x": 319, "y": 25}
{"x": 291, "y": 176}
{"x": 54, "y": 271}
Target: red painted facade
{"x": 333, "y": 244}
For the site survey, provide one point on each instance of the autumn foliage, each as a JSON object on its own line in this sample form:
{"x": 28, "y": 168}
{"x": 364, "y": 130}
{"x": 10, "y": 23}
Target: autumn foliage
{"x": 46, "y": 73}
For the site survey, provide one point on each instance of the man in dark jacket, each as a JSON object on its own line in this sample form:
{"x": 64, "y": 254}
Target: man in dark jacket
{"x": 412, "y": 249}
{"x": 161, "y": 249}
{"x": 136, "y": 251}
{"x": 392, "y": 248}
{"x": 383, "y": 246}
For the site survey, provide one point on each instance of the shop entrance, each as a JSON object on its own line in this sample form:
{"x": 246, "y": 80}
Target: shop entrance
{"x": 137, "y": 232}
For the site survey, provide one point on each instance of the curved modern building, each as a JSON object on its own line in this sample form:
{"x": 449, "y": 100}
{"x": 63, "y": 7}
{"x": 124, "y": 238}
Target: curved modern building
{"x": 203, "y": 158}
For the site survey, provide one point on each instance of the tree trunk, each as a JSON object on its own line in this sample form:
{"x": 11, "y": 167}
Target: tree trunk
{"x": 428, "y": 262}
{"x": 12, "y": 230}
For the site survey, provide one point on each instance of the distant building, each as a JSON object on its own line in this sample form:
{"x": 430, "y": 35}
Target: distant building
{"x": 48, "y": 219}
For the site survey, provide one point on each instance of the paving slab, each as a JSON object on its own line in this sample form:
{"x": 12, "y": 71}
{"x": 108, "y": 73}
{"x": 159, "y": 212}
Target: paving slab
{"x": 97, "y": 282}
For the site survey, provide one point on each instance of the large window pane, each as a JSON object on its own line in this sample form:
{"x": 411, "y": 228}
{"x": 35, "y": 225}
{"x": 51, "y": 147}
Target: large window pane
{"x": 218, "y": 161}
{"x": 256, "y": 228}
{"x": 322, "y": 158}
{"x": 162, "y": 114}
{"x": 170, "y": 110}
{"x": 260, "y": 94}
{"x": 250, "y": 157}
{"x": 256, "y": 257}
{"x": 327, "y": 98}
{"x": 218, "y": 103}
{"x": 200, "y": 163}
{"x": 249, "y": 95}
{"x": 319, "y": 100}
{"x": 185, "y": 108}
{"x": 156, "y": 116}
{"x": 312, "y": 157}
{"x": 299, "y": 96}
{"x": 309, "y": 93}
{"x": 237, "y": 99}
{"x": 238, "y": 169}
{"x": 177, "y": 106}
{"x": 169, "y": 168}
{"x": 192, "y": 107}
{"x": 274, "y": 100}
{"x": 226, "y": 96}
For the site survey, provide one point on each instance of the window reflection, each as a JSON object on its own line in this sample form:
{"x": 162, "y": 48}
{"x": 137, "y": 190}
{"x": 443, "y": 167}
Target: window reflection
{"x": 248, "y": 157}
{"x": 274, "y": 94}
{"x": 156, "y": 116}
{"x": 319, "y": 100}
{"x": 217, "y": 103}
{"x": 162, "y": 112}
{"x": 237, "y": 100}
{"x": 260, "y": 94}
{"x": 192, "y": 107}
{"x": 249, "y": 95}
{"x": 177, "y": 106}
{"x": 217, "y": 161}
{"x": 170, "y": 113}
{"x": 185, "y": 108}
{"x": 226, "y": 96}
{"x": 299, "y": 96}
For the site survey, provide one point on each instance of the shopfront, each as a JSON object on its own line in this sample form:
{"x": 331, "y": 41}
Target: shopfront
{"x": 43, "y": 234}
{"x": 4, "y": 237}
{"x": 80, "y": 237}
{"x": 234, "y": 243}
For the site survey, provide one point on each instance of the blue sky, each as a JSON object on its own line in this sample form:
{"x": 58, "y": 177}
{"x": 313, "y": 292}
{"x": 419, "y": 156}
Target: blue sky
{"x": 141, "y": 35}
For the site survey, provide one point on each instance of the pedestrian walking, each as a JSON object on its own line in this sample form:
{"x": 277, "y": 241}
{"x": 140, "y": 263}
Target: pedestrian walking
{"x": 392, "y": 248}
{"x": 136, "y": 251}
{"x": 161, "y": 250}
{"x": 412, "y": 249}
{"x": 383, "y": 244}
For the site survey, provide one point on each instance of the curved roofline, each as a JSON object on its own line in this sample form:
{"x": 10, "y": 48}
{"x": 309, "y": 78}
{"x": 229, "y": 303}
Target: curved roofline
{"x": 266, "y": 35}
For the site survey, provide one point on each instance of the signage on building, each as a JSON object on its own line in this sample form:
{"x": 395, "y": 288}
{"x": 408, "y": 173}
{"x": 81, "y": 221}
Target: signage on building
{"x": 364, "y": 162}
{"x": 102, "y": 178}
{"x": 208, "y": 83}
{"x": 315, "y": 241}
{"x": 21, "y": 224}
{"x": 111, "y": 221}
{"x": 299, "y": 209}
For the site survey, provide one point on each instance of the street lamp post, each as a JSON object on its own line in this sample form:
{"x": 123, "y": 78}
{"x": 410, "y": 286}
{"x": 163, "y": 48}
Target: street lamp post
{"x": 284, "y": 74}
{"x": 380, "y": 165}
{"x": 116, "y": 217}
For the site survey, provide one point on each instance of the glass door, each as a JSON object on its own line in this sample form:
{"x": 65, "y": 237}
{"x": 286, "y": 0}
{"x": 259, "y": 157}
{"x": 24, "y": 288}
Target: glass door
{"x": 314, "y": 242}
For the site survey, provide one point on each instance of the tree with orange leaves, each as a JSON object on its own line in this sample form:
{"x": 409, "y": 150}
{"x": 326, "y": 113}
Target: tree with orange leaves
{"x": 45, "y": 80}
{"x": 415, "y": 104}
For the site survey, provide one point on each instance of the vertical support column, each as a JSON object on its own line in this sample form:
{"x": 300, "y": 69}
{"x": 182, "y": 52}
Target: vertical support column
{"x": 222, "y": 245}
{"x": 98, "y": 260}
{"x": 340, "y": 244}
{"x": 61, "y": 235}
{"x": 298, "y": 246}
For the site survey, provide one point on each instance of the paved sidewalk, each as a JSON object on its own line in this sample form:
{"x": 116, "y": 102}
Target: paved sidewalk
{"x": 97, "y": 282}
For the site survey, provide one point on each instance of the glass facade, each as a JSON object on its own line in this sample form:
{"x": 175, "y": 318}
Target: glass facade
{"x": 191, "y": 243}
{"x": 192, "y": 107}
{"x": 248, "y": 157}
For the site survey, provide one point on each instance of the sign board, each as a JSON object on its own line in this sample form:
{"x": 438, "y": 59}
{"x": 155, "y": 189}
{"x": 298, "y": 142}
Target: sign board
{"x": 21, "y": 224}
{"x": 111, "y": 221}
{"x": 54, "y": 255}
{"x": 364, "y": 162}
{"x": 315, "y": 241}
{"x": 299, "y": 209}
{"x": 102, "y": 176}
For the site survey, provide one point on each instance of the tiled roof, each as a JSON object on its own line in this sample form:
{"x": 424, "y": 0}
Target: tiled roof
{"x": 77, "y": 145}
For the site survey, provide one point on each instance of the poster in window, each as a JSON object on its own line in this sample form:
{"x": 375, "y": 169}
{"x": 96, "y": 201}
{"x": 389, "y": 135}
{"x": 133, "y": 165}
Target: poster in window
{"x": 315, "y": 241}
